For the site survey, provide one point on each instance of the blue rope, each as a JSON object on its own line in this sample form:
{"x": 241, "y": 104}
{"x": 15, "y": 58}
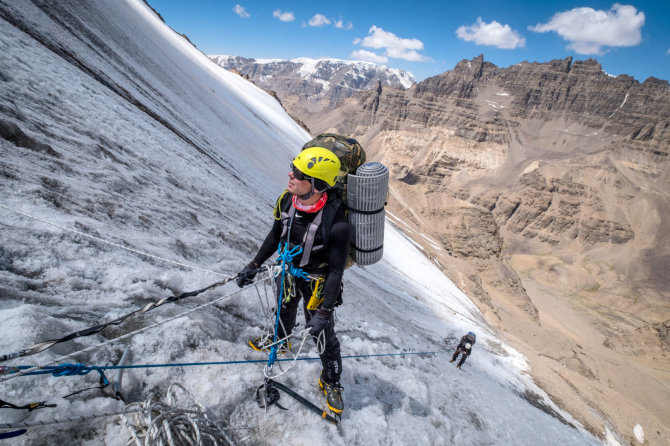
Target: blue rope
{"x": 61, "y": 370}
{"x": 81, "y": 369}
{"x": 285, "y": 257}
{"x": 66, "y": 369}
{"x": 297, "y": 272}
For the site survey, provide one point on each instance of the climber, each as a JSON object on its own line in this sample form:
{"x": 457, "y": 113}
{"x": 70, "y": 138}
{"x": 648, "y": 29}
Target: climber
{"x": 465, "y": 347}
{"x": 308, "y": 216}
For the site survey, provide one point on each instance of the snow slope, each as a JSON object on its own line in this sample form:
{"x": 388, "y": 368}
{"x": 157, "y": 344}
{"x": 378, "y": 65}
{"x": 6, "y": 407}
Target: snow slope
{"x": 115, "y": 126}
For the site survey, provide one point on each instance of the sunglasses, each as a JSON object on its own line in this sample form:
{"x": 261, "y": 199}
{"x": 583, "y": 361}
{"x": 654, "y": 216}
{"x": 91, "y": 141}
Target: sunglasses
{"x": 298, "y": 175}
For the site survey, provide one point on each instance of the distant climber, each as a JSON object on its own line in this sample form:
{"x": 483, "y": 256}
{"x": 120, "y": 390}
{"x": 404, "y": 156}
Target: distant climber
{"x": 465, "y": 348}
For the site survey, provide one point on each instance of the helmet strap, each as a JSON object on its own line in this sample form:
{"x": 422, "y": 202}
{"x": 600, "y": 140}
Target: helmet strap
{"x": 307, "y": 196}
{"x": 311, "y": 192}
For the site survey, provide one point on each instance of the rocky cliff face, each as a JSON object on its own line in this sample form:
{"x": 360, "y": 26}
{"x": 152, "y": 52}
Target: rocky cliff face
{"x": 555, "y": 152}
{"x": 309, "y": 85}
{"x": 540, "y": 176}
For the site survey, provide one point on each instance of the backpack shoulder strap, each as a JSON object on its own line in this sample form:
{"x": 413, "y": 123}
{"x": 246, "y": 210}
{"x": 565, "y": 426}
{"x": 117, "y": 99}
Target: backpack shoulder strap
{"x": 308, "y": 239}
{"x": 329, "y": 213}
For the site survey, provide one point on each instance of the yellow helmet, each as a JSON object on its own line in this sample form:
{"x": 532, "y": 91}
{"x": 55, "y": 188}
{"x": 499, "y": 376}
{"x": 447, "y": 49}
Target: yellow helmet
{"x": 318, "y": 163}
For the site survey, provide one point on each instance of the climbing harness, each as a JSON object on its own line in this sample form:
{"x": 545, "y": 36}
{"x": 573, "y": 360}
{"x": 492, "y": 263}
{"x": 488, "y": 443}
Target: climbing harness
{"x": 268, "y": 393}
{"x": 310, "y": 234}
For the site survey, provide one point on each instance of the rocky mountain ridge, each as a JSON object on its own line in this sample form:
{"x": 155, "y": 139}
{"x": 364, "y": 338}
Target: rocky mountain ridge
{"x": 540, "y": 179}
{"x": 307, "y": 85}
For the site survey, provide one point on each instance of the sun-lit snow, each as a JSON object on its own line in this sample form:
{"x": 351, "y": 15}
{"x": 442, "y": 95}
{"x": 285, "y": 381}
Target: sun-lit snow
{"x": 309, "y": 67}
{"x": 638, "y": 431}
{"x": 154, "y": 147}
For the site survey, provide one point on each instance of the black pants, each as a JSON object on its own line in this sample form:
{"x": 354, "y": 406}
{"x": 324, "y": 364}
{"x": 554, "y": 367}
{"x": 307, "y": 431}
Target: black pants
{"x": 465, "y": 352}
{"x": 331, "y": 359}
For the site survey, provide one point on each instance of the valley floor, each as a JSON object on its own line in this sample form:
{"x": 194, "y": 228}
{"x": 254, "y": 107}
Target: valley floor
{"x": 618, "y": 396}
{"x": 595, "y": 384}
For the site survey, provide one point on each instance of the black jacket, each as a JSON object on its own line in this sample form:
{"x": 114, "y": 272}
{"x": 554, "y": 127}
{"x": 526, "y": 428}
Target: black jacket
{"x": 329, "y": 255}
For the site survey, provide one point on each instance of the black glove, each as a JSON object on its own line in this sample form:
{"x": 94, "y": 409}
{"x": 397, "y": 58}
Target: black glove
{"x": 319, "y": 321}
{"x": 246, "y": 276}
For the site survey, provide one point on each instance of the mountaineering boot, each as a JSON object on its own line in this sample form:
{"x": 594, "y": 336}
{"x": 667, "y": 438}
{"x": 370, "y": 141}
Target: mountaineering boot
{"x": 333, "y": 394}
{"x": 264, "y": 344}
{"x": 452, "y": 360}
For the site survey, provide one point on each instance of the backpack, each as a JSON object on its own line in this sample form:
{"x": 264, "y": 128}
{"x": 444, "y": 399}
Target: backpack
{"x": 351, "y": 156}
{"x": 348, "y": 151}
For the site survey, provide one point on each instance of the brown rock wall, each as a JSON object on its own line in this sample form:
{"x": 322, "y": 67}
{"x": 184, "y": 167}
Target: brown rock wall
{"x": 558, "y": 167}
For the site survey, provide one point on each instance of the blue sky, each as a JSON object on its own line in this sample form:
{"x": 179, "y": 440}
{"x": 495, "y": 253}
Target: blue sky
{"x": 430, "y": 37}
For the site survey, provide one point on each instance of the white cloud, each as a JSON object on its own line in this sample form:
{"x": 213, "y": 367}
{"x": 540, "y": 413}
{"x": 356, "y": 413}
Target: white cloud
{"x": 394, "y": 46}
{"x": 668, "y": 52}
{"x": 319, "y": 20}
{"x": 589, "y": 30}
{"x": 240, "y": 11}
{"x": 399, "y": 53}
{"x": 369, "y": 56}
{"x": 339, "y": 24}
{"x": 491, "y": 34}
{"x": 283, "y": 16}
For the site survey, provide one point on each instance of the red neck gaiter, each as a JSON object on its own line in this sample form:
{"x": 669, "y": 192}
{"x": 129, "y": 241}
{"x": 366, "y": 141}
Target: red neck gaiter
{"x": 310, "y": 208}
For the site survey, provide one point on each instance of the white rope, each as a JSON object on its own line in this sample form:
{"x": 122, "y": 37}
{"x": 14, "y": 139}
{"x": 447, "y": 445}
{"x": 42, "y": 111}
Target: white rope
{"x": 171, "y": 415}
{"x": 269, "y": 309}
{"x": 127, "y": 335}
{"x": 266, "y": 340}
{"x": 76, "y": 418}
{"x": 164, "y": 423}
{"x": 111, "y": 243}
{"x": 267, "y": 371}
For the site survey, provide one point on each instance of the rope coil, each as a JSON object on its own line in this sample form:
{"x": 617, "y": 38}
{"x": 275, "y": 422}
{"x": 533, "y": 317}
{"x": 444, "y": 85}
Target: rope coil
{"x": 166, "y": 423}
